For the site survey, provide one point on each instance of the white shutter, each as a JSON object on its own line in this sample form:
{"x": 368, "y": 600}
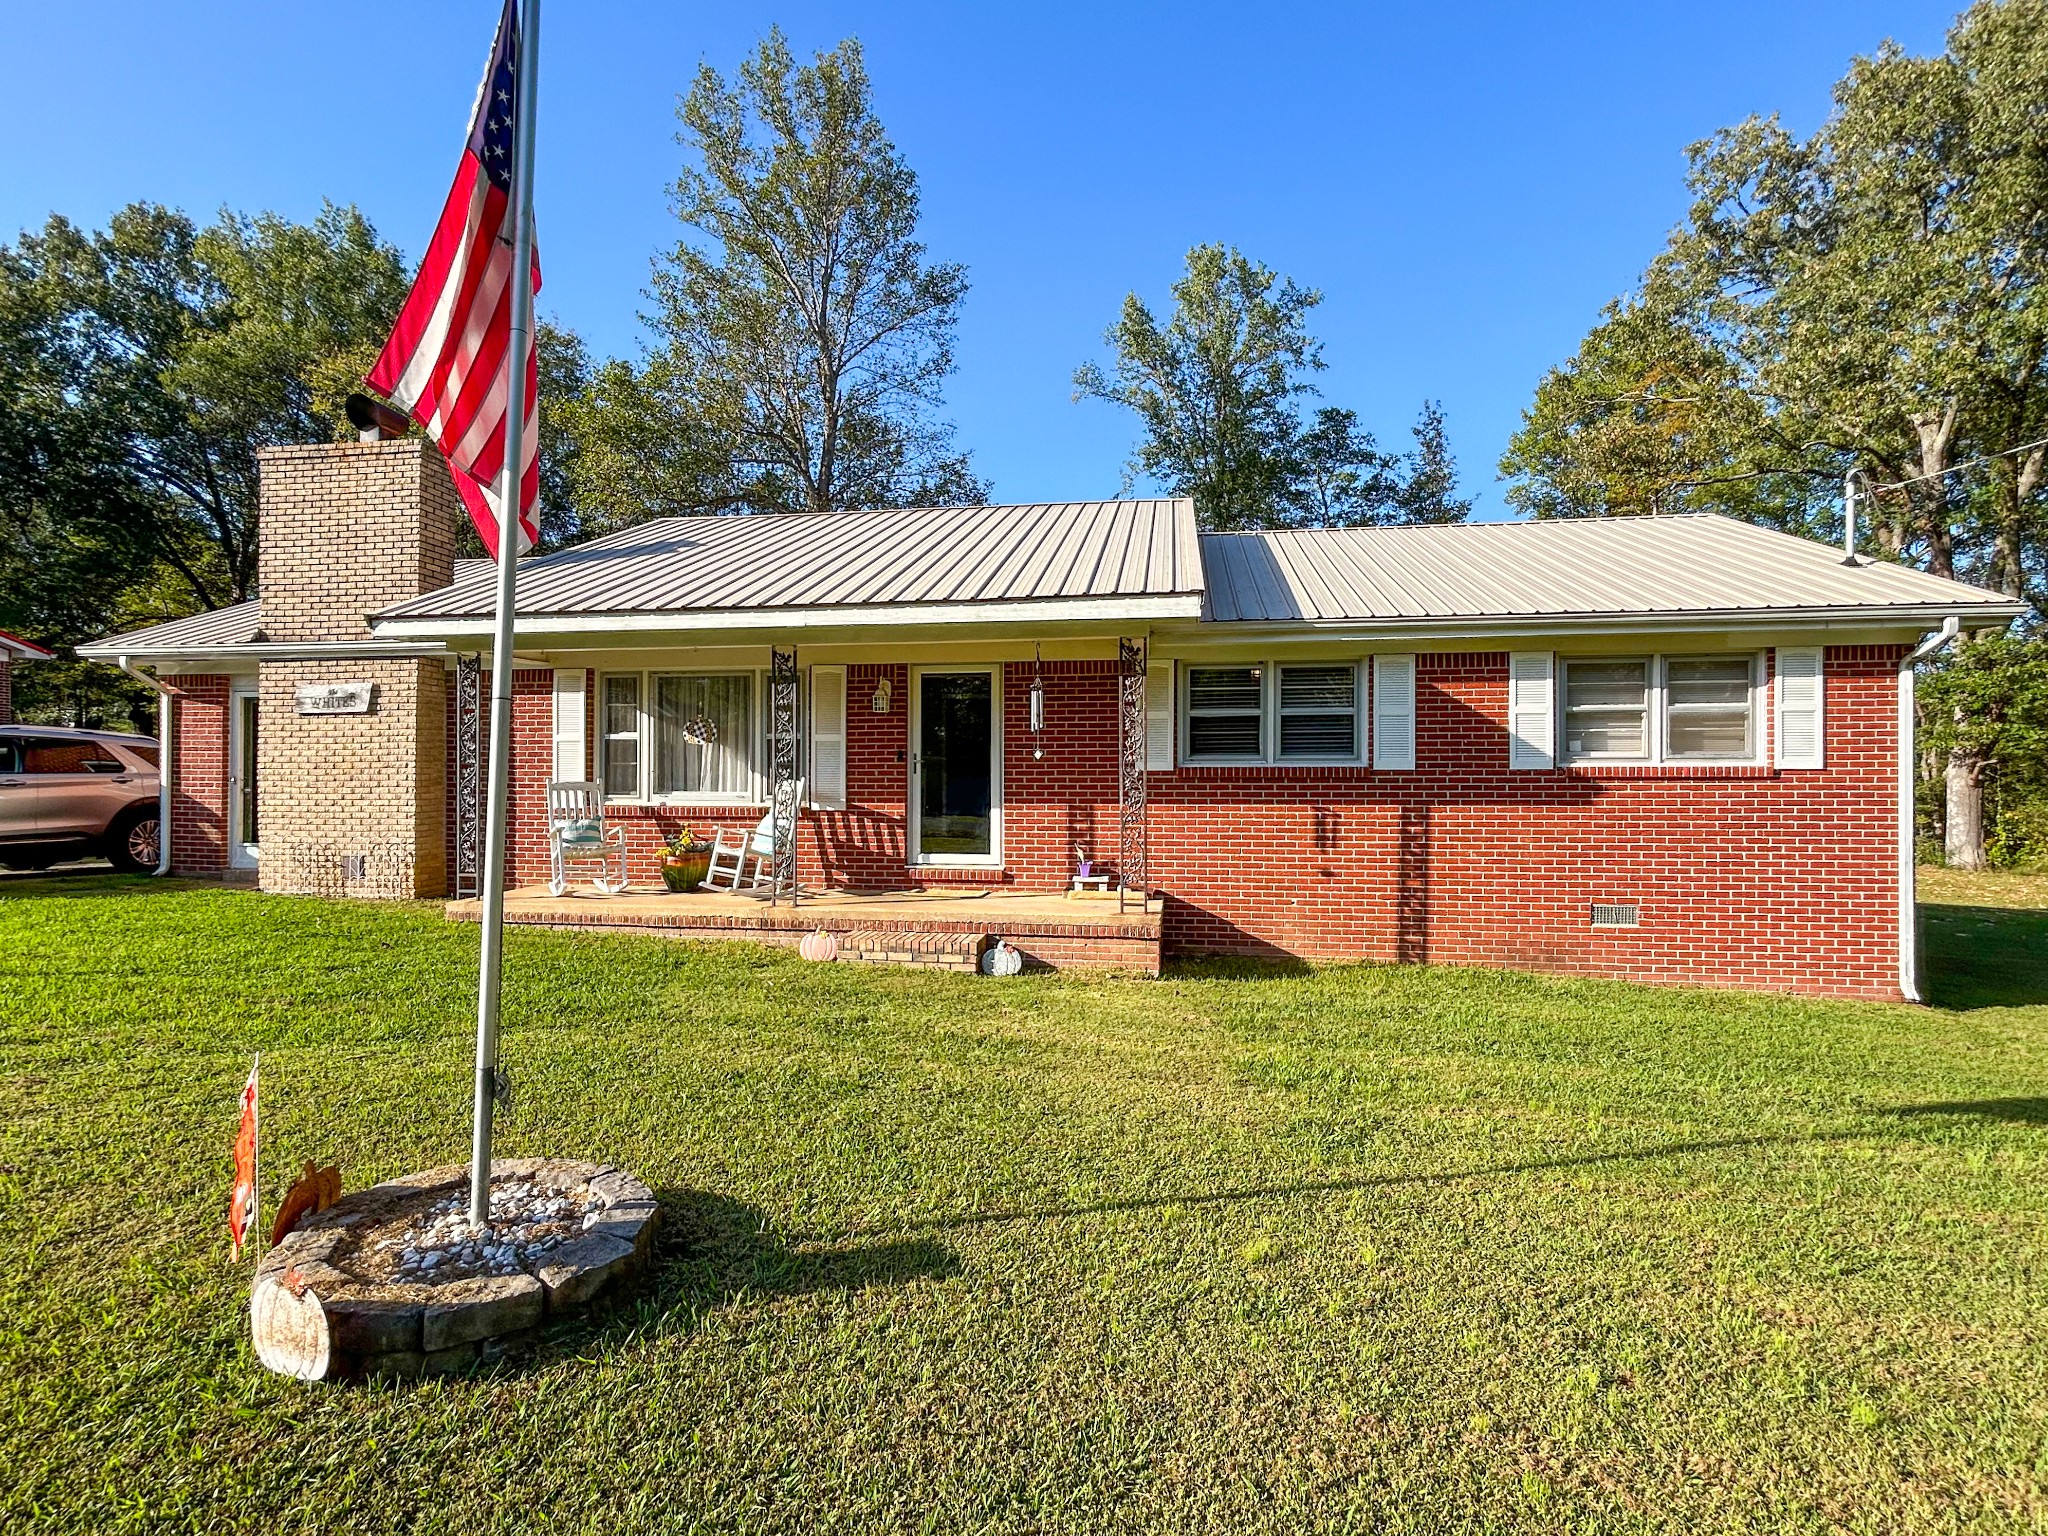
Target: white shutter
{"x": 1159, "y": 716}
{"x": 1532, "y": 733}
{"x": 828, "y": 738}
{"x": 1802, "y": 708}
{"x": 1393, "y": 711}
{"x": 570, "y": 716}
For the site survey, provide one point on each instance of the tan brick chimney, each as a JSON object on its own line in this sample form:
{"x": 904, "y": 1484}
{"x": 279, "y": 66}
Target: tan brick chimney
{"x": 352, "y": 803}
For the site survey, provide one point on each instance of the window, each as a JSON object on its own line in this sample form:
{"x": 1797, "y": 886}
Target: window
{"x": 1225, "y": 712}
{"x": 703, "y": 737}
{"x": 1707, "y": 711}
{"x": 67, "y": 755}
{"x": 620, "y": 723}
{"x": 1319, "y": 711}
{"x": 1303, "y": 712}
{"x": 699, "y": 736}
{"x": 1607, "y": 709}
{"x": 1661, "y": 709}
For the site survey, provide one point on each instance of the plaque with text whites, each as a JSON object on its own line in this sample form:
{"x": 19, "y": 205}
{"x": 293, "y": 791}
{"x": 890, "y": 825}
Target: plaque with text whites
{"x": 334, "y": 699}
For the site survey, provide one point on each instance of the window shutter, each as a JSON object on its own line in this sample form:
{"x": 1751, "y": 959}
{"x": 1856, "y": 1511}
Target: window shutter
{"x": 1802, "y": 708}
{"x": 1159, "y": 716}
{"x": 1532, "y": 731}
{"x": 1393, "y": 711}
{"x": 828, "y": 738}
{"x": 570, "y": 715}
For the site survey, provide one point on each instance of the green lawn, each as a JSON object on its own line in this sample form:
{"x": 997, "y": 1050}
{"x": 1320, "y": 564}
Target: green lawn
{"x": 1356, "y": 1248}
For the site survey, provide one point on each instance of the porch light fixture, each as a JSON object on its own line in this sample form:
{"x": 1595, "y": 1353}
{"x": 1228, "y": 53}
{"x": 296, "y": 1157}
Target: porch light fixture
{"x": 880, "y": 702}
{"x": 1037, "y": 708}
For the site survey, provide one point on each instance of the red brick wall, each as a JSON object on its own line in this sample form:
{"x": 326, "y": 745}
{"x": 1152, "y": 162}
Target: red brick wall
{"x": 6, "y": 687}
{"x": 1745, "y": 876}
{"x": 199, "y": 782}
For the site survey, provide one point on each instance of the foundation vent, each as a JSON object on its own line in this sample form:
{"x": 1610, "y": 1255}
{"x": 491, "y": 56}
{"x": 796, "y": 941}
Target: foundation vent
{"x": 1616, "y": 914}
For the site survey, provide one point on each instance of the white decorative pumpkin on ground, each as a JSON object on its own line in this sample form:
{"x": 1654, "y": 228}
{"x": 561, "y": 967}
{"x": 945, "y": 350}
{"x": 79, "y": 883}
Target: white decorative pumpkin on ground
{"x": 818, "y": 944}
{"x": 1002, "y": 959}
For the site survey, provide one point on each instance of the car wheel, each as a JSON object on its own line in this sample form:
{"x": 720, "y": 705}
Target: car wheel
{"x": 134, "y": 847}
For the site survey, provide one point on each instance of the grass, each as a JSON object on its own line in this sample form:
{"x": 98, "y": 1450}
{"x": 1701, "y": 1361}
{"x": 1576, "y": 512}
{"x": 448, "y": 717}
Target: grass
{"x": 1351, "y": 1248}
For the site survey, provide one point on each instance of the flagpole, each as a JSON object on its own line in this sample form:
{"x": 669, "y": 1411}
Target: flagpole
{"x": 491, "y": 960}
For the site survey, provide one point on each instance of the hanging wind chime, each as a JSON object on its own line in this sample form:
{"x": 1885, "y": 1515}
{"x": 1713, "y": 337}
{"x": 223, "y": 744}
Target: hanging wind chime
{"x": 1037, "y": 707}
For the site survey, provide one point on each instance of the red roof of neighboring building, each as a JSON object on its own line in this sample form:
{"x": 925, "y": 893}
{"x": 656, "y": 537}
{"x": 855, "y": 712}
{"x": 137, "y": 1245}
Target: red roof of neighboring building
{"x": 25, "y": 650}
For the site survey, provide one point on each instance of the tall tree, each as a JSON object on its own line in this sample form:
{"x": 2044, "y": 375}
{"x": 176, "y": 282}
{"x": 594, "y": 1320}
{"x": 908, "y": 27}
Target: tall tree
{"x": 163, "y": 356}
{"x": 1873, "y": 297}
{"x": 803, "y": 334}
{"x": 1220, "y": 389}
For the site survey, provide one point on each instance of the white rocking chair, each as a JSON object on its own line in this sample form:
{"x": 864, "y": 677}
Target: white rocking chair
{"x": 745, "y": 861}
{"x": 577, "y": 836}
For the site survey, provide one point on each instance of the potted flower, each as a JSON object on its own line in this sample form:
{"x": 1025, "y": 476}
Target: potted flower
{"x": 685, "y": 860}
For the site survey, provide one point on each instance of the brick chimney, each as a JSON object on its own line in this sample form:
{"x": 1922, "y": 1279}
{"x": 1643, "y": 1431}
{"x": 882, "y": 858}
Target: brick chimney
{"x": 349, "y": 528}
{"x": 352, "y": 803}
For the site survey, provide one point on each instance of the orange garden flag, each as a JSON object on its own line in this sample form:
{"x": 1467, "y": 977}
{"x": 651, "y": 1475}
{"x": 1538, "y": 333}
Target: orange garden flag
{"x": 242, "y": 1203}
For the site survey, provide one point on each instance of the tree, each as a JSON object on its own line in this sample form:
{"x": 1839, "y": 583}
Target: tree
{"x": 1219, "y": 389}
{"x": 1875, "y": 298}
{"x": 802, "y": 333}
{"x": 162, "y": 357}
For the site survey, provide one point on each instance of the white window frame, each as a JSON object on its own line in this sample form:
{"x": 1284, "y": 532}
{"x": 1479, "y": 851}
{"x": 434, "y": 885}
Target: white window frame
{"x": 1657, "y": 753}
{"x": 1268, "y": 755}
{"x": 756, "y": 795}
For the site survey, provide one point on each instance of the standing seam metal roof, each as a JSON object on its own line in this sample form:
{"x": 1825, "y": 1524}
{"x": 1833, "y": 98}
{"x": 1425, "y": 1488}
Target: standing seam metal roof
{"x": 1061, "y": 550}
{"x": 1695, "y": 563}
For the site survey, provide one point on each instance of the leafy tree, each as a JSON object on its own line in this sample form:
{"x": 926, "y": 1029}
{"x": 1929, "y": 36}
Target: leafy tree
{"x": 160, "y": 358}
{"x": 803, "y": 334}
{"x": 1219, "y": 388}
{"x": 1871, "y": 298}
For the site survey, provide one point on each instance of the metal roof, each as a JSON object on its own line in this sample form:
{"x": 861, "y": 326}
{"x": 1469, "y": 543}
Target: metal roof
{"x": 1699, "y": 563}
{"x": 1044, "y": 552}
{"x": 23, "y": 650}
{"x": 240, "y": 624}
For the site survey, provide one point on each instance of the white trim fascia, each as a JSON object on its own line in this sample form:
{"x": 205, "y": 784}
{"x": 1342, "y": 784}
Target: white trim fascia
{"x": 271, "y": 650}
{"x": 1143, "y": 610}
{"x": 1909, "y": 621}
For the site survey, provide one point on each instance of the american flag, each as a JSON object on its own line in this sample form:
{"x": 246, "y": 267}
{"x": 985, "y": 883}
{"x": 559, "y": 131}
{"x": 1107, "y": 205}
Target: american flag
{"x": 445, "y": 363}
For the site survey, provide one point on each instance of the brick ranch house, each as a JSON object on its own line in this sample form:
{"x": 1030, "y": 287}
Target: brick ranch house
{"x": 1675, "y": 749}
{"x": 13, "y": 649}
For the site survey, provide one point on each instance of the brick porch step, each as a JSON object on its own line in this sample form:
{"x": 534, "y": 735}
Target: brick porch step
{"x": 934, "y": 951}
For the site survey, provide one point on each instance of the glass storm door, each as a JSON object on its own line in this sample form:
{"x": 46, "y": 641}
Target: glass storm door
{"x": 955, "y": 789}
{"x": 242, "y": 832}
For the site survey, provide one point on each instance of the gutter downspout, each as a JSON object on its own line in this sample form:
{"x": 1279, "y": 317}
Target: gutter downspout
{"x": 164, "y": 696}
{"x": 1909, "y": 901}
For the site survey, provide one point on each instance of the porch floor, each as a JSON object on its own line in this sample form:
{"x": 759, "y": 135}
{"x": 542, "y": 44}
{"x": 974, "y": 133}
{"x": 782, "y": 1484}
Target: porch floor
{"x": 1053, "y": 929}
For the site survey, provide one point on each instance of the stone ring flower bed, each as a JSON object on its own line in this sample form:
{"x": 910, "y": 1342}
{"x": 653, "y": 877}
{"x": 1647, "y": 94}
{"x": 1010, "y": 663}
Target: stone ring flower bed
{"x": 393, "y": 1281}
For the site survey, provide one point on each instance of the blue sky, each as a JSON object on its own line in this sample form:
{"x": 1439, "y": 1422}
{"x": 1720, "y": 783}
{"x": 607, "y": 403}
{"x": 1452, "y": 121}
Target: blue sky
{"x": 1466, "y": 183}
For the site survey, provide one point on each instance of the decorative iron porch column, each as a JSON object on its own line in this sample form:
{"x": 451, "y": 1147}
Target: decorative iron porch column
{"x": 782, "y": 794}
{"x": 1134, "y": 868}
{"x": 469, "y": 758}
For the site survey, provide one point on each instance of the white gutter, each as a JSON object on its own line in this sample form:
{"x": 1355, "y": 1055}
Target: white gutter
{"x": 278, "y": 650}
{"x": 163, "y": 761}
{"x": 1909, "y": 898}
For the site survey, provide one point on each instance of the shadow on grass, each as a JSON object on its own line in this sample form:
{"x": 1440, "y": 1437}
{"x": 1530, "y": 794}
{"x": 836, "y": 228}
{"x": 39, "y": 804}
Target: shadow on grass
{"x": 1984, "y": 957}
{"x": 2015, "y": 1111}
{"x": 1337, "y": 1186}
{"x": 713, "y": 1251}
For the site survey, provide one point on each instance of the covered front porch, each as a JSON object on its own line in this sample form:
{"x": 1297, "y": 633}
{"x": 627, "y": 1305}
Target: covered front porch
{"x": 946, "y": 929}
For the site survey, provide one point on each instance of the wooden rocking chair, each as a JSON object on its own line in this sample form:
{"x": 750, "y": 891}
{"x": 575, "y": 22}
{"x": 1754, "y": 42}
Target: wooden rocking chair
{"x": 745, "y": 861}
{"x": 578, "y": 836}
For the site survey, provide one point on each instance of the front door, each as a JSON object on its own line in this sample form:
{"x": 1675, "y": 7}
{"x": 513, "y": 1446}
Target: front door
{"x": 956, "y": 789}
{"x": 243, "y": 830}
